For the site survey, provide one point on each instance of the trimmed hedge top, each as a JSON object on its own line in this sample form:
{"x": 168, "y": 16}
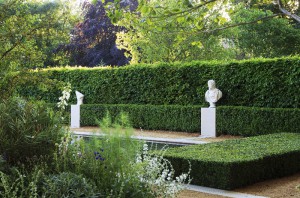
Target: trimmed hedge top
{"x": 246, "y": 149}
{"x": 259, "y": 82}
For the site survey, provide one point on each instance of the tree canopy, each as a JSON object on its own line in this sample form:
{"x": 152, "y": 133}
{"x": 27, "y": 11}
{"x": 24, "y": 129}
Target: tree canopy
{"x": 93, "y": 40}
{"x": 30, "y": 31}
{"x": 169, "y": 30}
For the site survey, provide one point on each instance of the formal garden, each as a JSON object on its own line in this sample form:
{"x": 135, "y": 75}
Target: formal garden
{"x": 145, "y": 65}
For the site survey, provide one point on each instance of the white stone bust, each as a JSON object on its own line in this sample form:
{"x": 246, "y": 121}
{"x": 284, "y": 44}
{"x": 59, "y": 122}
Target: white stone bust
{"x": 213, "y": 94}
{"x": 79, "y": 97}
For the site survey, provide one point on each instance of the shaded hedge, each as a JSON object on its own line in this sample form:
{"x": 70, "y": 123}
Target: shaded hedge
{"x": 245, "y": 121}
{"x": 235, "y": 163}
{"x": 152, "y": 117}
{"x": 251, "y": 121}
{"x": 259, "y": 82}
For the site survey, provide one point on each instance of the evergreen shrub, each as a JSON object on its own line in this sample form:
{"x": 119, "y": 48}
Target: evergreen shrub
{"x": 235, "y": 163}
{"x": 251, "y": 121}
{"x": 257, "y": 82}
{"x": 244, "y": 121}
{"x": 152, "y": 117}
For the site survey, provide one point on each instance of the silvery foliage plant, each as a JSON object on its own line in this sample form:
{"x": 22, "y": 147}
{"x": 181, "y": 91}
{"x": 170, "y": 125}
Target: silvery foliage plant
{"x": 158, "y": 173}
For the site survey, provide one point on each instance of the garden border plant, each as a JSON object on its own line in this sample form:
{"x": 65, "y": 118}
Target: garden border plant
{"x": 28, "y": 130}
{"x": 113, "y": 166}
{"x": 117, "y": 164}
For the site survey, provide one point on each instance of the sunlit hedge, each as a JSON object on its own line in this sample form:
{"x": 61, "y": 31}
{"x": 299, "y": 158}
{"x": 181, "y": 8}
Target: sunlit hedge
{"x": 260, "y": 83}
{"x": 235, "y": 163}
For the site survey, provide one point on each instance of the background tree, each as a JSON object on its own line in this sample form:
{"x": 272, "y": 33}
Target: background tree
{"x": 93, "y": 40}
{"x": 150, "y": 39}
{"x": 29, "y": 32}
{"x": 273, "y": 38}
{"x": 210, "y": 9}
{"x": 170, "y": 30}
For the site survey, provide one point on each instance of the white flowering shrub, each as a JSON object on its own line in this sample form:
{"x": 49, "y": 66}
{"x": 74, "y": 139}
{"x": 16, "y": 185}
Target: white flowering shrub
{"x": 157, "y": 173}
{"x": 65, "y": 97}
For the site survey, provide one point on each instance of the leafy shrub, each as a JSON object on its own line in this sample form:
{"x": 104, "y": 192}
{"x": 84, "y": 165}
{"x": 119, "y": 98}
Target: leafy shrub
{"x": 27, "y": 130}
{"x": 235, "y": 163}
{"x": 67, "y": 184}
{"x": 107, "y": 162}
{"x": 257, "y": 82}
{"x": 116, "y": 164}
{"x": 21, "y": 183}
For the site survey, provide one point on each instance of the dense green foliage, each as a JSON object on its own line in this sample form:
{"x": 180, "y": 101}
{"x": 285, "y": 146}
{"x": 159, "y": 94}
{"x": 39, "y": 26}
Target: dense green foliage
{"x": 273, "y": 38}
{"x": 30, "y": 31}
{"x": 260, "y": 83}
{"x": 67, "y": 184}
{"x": 153, "y": 117}
{"x": 107, "y": 162}
{"x": 114, "y": 165}
{"x": 251, "y": 121}
{"x": 22, "y": 183}
{"x": 184, "y": 30}
{"x": 151, "y": 40}
{"x": 28, "y": 130}
{"x": 244, "y": 121}
{"x": 235, "y": 163}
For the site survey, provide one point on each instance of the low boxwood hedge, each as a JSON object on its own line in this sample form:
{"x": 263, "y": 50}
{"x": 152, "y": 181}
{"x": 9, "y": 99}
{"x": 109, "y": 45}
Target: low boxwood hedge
{"x": 235, "y": 163}
{"x": 245, "y": 121}
{"x": 251, "y": 121}
{"x": 152, "y": 117}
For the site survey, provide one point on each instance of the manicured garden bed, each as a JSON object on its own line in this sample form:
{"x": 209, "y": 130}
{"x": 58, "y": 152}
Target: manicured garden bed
{"x": 235, "y": 163}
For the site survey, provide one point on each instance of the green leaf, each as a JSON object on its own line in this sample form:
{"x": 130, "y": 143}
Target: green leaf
{"x": 222, "y": 20}
{"x": 145, "y": 9}
{"x": 198, "y": 44}
{"x": 149, "y": 22}
{"x": 180, "y": 19}
{"x": 94, "y": 2}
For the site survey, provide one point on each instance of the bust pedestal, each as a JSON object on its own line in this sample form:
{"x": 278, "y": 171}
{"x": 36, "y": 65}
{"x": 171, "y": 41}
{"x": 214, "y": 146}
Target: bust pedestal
{"x": 208, "y": 122}
{"x": 75, "y": 116}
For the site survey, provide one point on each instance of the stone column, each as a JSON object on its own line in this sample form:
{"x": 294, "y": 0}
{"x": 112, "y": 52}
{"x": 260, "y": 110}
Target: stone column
{"x": 208, "y": 122}
{"x": 75, "y": 116}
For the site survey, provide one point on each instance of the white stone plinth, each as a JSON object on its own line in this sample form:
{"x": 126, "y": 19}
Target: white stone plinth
{"x": 208, "y": 122}
{"x": 75, "y": 116}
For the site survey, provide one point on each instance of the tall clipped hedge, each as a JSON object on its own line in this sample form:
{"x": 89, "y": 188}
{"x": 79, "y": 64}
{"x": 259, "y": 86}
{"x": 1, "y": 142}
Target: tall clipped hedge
{"x": 245, "y": 121}
{"x": 260, "y": 83}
